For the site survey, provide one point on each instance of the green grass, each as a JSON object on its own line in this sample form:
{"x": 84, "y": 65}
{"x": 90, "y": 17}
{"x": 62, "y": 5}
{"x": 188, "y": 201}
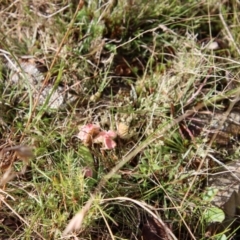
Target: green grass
{"x": 141, "y": 58}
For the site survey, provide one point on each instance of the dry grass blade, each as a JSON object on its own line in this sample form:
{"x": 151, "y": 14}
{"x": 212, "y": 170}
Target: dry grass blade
{"x": 77, "y": 220}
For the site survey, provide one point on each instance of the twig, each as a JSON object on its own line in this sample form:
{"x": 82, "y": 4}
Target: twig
{"x": 53, "y": 14}
{"x": 160, "y": 26}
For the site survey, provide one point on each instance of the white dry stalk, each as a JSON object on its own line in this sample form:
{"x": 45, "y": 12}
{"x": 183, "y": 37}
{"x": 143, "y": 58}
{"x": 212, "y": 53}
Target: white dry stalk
{"x": 160, "y": 26}
{"x": 228, "y": 169}
{"x": 53, "y": 14}
{"x": 228, "y": 31}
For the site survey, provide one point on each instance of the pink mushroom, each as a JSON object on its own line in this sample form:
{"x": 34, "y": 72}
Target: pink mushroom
{"x": 106, "y": 139}
{"x": 87, "y": 133}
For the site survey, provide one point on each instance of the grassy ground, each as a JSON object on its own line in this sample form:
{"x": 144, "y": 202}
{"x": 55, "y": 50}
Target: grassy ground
{"x": 140, "y": 68}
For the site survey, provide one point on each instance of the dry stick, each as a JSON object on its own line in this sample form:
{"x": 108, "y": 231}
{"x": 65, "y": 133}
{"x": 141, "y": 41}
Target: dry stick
{"x": 76, "y": 222}
{"x": 228, "y": 31}
{"x": 140, "y": 34}
{"x": 53, "y": 14}
{"x": 79, "y": 7}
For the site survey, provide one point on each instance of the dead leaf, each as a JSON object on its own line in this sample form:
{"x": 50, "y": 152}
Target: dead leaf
{"x": 7, "y": 176}
{"x": 153, "y": 230}
{"x": 24, "y": 153}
